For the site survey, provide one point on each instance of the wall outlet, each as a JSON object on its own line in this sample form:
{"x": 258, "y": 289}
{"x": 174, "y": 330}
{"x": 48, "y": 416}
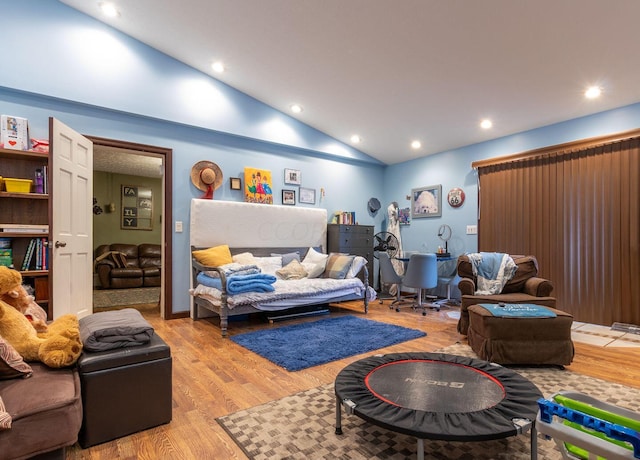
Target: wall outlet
{"x": 472, "y": 229}
{"x": 178, "y": 226}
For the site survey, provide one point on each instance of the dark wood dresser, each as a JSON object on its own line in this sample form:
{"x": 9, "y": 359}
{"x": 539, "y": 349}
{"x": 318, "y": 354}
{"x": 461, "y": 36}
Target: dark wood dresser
{"x": 355, "y": 240}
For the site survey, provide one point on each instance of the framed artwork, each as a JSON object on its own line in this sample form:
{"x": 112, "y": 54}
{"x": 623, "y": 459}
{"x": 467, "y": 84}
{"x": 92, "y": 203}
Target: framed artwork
{"x": 307, "y": 195}
{"x": 289, "y": 197}
{"x": 257, "y": 186}
{"x": 137, "y": 208}
{"x": 292, "y": 177}
{"x": 235, "y": 183}
{"x": 426, "y": 201}
{"x": 404, "y": 216}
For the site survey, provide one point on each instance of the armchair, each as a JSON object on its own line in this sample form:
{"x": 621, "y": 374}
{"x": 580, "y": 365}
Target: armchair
{"x": 524, "y": 287}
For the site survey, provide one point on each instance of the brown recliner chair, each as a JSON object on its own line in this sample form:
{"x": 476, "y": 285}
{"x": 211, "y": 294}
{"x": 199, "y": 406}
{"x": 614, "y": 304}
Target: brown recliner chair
{"x": 122, "y": 266}
{"x": 524, "y": 287}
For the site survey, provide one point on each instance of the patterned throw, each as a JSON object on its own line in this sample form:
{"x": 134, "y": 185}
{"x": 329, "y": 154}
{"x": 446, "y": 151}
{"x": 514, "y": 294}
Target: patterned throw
{"x": 492, "y": 271}
{"x": 302, "y": 425}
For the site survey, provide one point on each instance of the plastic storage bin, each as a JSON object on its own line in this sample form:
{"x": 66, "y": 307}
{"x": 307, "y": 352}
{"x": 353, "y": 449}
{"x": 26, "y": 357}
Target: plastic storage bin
{"x": 17, "y": 185}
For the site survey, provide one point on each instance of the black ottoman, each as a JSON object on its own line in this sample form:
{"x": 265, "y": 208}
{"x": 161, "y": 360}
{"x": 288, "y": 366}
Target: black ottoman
{"x": 124, "y": 391}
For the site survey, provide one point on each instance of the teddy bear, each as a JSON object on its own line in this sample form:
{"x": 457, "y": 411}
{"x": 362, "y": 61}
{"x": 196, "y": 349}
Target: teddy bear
{"x": 59, "y": 346}
{"x": 15, "y": 294}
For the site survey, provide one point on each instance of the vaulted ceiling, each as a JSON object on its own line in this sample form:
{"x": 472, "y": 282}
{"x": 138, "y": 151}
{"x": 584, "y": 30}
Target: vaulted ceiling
{"x": 397, "y": 71}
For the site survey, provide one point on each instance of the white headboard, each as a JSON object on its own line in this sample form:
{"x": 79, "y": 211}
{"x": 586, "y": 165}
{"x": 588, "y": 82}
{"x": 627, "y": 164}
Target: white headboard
{"x": 246, "y": 225}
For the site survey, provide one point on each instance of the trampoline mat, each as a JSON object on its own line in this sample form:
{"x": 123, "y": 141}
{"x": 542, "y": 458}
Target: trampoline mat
{"x": 438, "y": 396}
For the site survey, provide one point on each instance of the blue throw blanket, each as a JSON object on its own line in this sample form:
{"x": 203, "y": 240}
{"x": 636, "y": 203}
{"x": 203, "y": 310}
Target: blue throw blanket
{"x": 492, "y": 270}
{"x": 518, "y": 310}
{"x": 237, "y": 284}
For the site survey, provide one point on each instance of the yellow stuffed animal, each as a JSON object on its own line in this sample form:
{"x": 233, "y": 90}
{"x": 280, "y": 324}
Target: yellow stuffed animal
{"x": 59, "y": 346}
{"x": 14, "y": 293}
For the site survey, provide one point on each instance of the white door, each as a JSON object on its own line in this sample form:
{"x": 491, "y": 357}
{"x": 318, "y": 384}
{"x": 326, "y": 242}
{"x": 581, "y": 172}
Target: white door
{"x": 71, "y": 244}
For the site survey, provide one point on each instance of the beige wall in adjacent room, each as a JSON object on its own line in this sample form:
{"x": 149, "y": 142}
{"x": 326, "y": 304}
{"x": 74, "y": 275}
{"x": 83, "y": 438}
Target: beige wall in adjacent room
{"x": 106, "y": 226}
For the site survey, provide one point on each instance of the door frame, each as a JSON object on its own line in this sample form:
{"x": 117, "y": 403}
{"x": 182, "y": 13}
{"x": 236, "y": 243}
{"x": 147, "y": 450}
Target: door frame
{"x": 167, "y": 214}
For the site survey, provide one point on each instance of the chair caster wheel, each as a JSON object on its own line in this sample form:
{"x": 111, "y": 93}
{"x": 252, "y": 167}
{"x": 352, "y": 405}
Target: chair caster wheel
{"x": 397, "y": 309}
{"x": 424, "y": 313}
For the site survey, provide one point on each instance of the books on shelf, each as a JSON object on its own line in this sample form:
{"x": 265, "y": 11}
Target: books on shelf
{"x": 36, "y": 255}
{"x": 344, "y": 217}
{"x": 24, "y": 228}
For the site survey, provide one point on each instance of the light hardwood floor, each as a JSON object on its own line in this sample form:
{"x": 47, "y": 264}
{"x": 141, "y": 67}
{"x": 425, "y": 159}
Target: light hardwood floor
{"x": 213, "y": 377}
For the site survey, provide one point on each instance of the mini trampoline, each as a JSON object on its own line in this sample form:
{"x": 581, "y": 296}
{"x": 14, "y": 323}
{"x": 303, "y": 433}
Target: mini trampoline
{"x": 439, "y": 397}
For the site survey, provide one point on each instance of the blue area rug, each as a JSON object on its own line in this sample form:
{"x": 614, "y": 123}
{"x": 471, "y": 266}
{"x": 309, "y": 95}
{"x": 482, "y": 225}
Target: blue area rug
{"x": 310, "y": 344}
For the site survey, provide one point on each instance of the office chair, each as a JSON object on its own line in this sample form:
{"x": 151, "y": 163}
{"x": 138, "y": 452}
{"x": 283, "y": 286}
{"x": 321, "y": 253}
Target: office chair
{"x": 389, "y": 275}
{"x": 422, "y": 273}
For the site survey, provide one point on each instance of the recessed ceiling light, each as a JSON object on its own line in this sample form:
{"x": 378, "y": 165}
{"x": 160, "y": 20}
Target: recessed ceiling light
{"x": 416, "y": 145}
{"x": 593, "y": 92}
{"x": 356, "y": 139}
{"x": 218, "y": 67}
{"x": 296, "y": 108}
{"x": 109, "y": 9}
{"x": 486, "y": 123}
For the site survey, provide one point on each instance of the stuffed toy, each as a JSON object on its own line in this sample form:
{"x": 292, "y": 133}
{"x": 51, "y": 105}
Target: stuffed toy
{"x": 59, "y": 346}
{"x": 15, "y": 294}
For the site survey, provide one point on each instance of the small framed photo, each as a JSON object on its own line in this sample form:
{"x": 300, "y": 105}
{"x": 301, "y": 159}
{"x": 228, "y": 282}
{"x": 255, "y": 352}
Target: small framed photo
{"x": 426, "y": 201}
{"x": 292, "y": 177}
{"x": 289, "y": 197}
{"x": 235, "y": 183}
{"x": 307, "y": 195}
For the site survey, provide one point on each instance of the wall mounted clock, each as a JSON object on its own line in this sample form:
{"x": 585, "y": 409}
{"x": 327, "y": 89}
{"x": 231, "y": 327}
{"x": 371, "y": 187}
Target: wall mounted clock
{"x": 455, "y": 198}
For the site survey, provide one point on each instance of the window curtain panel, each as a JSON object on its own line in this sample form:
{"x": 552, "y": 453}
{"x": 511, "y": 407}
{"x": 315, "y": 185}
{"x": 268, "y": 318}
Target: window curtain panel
{"x": 576, "y": 208}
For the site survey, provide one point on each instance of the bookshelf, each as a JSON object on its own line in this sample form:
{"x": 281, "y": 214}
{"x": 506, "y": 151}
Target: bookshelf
{"x": 25, "y": 217}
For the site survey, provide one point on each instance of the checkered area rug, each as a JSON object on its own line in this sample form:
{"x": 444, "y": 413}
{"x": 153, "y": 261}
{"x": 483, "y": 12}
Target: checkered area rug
{"x": 302, "y": 426}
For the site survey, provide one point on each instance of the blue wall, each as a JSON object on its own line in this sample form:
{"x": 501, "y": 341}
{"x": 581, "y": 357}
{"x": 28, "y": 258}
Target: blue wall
{"x": 103, "y": 83}
{"x": 453, "y": 169}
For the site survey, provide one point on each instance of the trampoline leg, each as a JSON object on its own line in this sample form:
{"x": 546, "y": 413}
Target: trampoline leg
{"x": 534, "y": 442}
{"x": 338, "y": 416}
{"x": 420, "y": 449}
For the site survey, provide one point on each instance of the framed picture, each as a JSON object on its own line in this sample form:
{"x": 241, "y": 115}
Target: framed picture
{"x": 137, "y": 208}
{"x": 307, "y": 195}
{"x": 292, "y": 176}
{"x": 289, "y": 197}
{"x": 404, "y": 216}
{"x": 258, "y": 186}
{"x": 235, "y": 183}
{"x": 426, "y": 201}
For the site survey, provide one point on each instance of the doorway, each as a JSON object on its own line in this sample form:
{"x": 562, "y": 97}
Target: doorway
{"x": 131, "y": 160}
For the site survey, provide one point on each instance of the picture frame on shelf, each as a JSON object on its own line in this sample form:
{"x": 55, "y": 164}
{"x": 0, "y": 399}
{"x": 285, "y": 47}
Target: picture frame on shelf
{"x": 292, "y": 176}
{"x": 235, "y": 183}
{"x": 307, "y": 195}
{"x": 289, "y": 197}
{"x": 426, "y": 201}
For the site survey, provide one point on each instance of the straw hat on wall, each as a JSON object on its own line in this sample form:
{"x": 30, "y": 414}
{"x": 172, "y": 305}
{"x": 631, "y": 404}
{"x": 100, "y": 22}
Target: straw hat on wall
{"x": 206, "y": 176}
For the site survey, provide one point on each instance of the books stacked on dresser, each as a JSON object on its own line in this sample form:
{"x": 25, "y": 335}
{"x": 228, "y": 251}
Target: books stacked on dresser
{"x": 344, "y": 217}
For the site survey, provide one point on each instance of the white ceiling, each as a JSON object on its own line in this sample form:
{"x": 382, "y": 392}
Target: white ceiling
{"x": 128, "y": 162}
{"x": 394, "y": 71}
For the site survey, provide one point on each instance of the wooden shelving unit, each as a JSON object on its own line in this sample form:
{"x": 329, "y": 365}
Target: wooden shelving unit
{"x": 28, "y": 209}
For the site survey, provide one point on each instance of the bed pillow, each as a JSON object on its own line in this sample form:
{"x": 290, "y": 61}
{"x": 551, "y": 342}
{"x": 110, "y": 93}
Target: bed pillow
{"x": 338, "y": 266}
{"x": 244, "y": 258}
{"x": 315, "y": 257}
{"x": 215, "y": 256}
{"x": 356, "y": 266}
{"x": 11, "y": 363}
{"x": 292, "y": 271}
{"x": 5, "y": 417}
{"x": 313, "y": 270}
{"x": 269, "y": 265}
{"x": 287, "y": 258}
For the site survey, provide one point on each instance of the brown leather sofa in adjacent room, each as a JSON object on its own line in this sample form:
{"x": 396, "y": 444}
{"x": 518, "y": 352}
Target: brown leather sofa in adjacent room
{"x": 121, "y": 266}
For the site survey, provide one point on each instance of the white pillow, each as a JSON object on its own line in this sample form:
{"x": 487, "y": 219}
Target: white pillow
{"x": 313, "y": 270}
{"x": 314, "y": 257}
{"x": 244, "y": 258}
{"x": 356, "y": 265}
{"x": 268, "y": 265}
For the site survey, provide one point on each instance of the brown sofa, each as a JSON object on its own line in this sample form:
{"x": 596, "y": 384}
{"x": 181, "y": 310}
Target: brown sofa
{"x": 46, "y": 413}
{"x": 122, "y": 266}
{"x": 524, "y": 287}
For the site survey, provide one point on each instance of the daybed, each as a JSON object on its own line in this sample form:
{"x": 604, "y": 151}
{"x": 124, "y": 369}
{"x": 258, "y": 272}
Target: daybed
{"x": 288, "y": 294}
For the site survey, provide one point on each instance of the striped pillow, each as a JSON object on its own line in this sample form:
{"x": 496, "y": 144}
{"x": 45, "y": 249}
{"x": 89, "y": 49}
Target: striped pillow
{"x": 11, "y": 363}
{"x": 338, "y": 266}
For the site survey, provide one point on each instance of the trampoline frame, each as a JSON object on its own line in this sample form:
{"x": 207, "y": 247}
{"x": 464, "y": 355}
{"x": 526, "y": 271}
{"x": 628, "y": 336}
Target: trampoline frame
{"x": 514, "y": 415}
